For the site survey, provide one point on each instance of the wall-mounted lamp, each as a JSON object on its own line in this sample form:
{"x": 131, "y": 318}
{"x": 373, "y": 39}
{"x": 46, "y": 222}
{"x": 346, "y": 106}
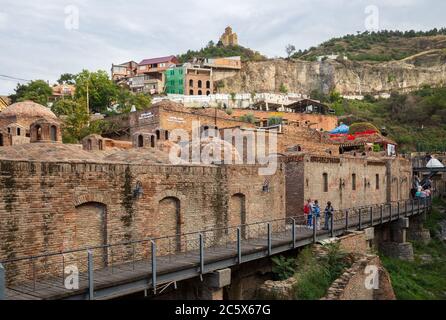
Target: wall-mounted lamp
{"x": 265, "y": 187}
{"x": 138, "y": 191}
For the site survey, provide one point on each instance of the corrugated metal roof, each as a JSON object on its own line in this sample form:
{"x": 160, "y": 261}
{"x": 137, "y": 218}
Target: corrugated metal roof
{"x": 157, "y": 60}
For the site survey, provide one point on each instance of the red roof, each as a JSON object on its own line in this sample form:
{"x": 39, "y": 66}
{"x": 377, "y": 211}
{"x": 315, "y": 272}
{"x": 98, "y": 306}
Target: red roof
{"x": 159, "y": 60}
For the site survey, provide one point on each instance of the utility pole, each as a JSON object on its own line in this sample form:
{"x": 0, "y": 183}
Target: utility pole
{"x": 88, "y": 100}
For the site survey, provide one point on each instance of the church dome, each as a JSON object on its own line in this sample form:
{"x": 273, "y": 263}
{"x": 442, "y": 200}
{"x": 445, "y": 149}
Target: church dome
{"x": 27, "y": 109}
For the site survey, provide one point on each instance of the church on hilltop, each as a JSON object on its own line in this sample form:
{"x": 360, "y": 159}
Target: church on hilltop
{"x": 229, "y": 38}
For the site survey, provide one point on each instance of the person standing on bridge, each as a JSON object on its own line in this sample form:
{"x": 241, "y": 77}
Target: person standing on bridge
{"x": 316, "y": 213}
{"x": 328, "y": 215}
{"x": 307, "y": 213}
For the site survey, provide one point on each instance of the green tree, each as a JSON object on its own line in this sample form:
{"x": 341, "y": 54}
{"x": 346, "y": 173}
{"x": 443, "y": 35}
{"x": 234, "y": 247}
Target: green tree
{"x": 335, "y": 97}
{"x": 75, "y": 117}
{"x": 127, "y": 99}
{"x": 102, "y": 91}
{"x": 66, "y": 78}
{"x": 38, "y": 91}
{"x": 283, "y": 88}
{"x": 290, "y": 49}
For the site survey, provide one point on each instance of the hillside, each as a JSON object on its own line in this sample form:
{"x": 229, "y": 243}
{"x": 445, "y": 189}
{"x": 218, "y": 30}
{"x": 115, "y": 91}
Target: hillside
{"x": 378, "y": 46}
{"x": 218, "y": 50}
{"x": 416, "y": 121}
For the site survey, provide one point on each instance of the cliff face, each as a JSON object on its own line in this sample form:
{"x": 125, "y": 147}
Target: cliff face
{"x": 347, "y": 77}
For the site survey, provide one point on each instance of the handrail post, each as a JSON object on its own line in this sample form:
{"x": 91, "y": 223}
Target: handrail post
{"x": 390, "y": 212}
{"x": 201, "y": 253}
{"x": 413, "y": 207}
{"x": 2, "y": 283}
{"x": 314, "y": 228}
{"x": 398, "y": 209}
{"x": 153, "y": 266}
{"x": 346, "y": 220}
{"x": 381, "y": 213}
{"x": 90, "y": 275}
{"x": 371, "y": 216}
{"x": 332, "y": 224}
{"x": 293, "y": 232}
{"x": 360, "y": 222}
{"x": 405, "y": 208}
{"x": 239, "y": 245}
{"x": 269, "y": 239}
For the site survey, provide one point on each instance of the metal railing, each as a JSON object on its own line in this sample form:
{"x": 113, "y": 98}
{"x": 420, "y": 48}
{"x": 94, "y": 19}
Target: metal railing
{"x": 97, "y": 266}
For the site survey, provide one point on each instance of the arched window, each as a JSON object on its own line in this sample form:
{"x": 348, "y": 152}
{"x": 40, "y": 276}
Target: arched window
{"x": 140, "y": 141}
{"x": 237, "y": 212}
{"x": 89, "y": 144}
{"x": 191, "y": 83}
{"x": 191, "y": 92}
{"x": 170, "y": 213}
{"x": 208, "y": 84}
{"x": 200, "y": 93}
{"x": 18, "y": 131}
{"x": 39, "y": 132}
{"x": 53, "y": 133}
{"x": 325, "y": 181}
{"x": 199, "y": 84}
{"x": 152, "y": 141}
{"x": 208, "y": 92}
{"x": 100, "y": 145}
{"x": 377, "y": 181}
{"x": 353, "y": 181}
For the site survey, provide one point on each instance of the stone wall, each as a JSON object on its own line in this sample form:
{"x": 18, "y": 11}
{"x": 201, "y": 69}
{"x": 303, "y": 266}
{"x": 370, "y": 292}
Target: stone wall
{"x": 355, "y": 283}
{"x": 49, "y": 207}
{"x": 349, "y": 181}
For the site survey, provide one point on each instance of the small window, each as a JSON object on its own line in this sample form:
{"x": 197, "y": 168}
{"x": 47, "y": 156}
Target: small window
{"x": 353, "y": 181}
{"x": 208, "y": 84}
{"x": 191, "y": 92}
{"x": 325, "y": 181}
{"x": 377, "y": 181}
{"x": 166, "y": 135}
{"x": 199, "y": 83}
{"x": 101, "y": 146}
{"x": 18, "y": 131}
{"x": 9, "y": 130}
{"x": 140, "y": 141}
{"x": 152, "y": 141}
{"x": 200, "y": 93}
{"x": 158, "y": 134}
{"x": 191, "y": 83}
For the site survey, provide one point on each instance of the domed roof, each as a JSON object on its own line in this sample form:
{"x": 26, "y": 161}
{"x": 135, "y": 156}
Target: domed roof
{"x": 27, "y": 109}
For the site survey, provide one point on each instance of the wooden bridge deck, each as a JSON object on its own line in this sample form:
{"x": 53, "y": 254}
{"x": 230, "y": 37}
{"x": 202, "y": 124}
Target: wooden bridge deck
{"x": 136, "y": 276}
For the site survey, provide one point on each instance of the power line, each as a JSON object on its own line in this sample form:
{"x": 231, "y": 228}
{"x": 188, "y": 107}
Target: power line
{"x": 13, "y": 78}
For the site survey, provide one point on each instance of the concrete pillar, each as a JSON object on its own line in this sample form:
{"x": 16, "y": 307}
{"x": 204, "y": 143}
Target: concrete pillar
{"x": 398, "y": 247}
{"x": 213, "y": 284}
{"x": 416, "y": 230}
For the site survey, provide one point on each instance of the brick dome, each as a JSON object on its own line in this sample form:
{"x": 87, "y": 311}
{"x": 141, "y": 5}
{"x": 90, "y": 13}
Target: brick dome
{"x": 27, "y": 109}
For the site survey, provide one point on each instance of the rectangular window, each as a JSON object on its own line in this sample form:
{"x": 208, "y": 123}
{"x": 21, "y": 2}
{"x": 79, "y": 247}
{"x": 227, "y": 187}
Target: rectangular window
{"x": 353, "y": 181}
{"x": 377, "y": 181}
{"x": 325, "y": 181}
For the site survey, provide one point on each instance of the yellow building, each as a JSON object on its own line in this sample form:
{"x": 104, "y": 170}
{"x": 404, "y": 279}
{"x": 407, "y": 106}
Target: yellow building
{"x": 229, "y": 38}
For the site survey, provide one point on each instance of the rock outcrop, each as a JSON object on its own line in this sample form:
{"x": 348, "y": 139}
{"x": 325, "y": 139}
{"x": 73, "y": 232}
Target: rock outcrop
{"x": 347, "y": 77}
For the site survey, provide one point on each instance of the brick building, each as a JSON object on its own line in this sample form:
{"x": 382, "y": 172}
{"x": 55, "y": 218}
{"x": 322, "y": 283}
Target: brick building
{"x": 229, "y": 38}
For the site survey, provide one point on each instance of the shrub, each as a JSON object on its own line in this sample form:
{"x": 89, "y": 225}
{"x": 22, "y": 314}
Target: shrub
{"x": 283, "y": 268}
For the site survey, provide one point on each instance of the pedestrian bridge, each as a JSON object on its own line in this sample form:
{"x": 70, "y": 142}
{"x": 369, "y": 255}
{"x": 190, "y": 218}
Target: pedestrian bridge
{"x": 121, "y": 269}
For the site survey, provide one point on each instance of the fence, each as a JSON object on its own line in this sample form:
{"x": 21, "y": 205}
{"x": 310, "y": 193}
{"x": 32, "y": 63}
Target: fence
{"x": 96, "y": 266}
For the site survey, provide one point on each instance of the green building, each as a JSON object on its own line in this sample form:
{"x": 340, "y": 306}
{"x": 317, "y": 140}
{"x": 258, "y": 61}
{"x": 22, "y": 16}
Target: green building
{"x": 175, "y": 80}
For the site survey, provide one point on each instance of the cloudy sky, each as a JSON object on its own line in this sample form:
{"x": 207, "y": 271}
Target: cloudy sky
{"x": 40, "y": 39}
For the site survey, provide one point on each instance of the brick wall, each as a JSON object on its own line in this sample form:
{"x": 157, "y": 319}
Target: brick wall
{"x": 49, "y": 207}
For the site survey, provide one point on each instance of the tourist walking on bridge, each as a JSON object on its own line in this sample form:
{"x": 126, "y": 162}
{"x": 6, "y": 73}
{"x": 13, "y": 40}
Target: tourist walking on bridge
{"x": 316, "y": 213}
{"x": 307, "y": 213}
{"x": 328, "y": 215}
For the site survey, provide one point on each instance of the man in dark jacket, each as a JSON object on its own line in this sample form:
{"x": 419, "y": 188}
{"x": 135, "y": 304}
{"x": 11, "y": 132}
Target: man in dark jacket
{"x": 328, "y": 215}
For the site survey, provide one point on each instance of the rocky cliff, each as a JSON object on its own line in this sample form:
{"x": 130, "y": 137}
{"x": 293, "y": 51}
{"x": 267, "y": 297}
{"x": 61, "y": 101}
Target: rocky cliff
{"x": 347, "y": 77}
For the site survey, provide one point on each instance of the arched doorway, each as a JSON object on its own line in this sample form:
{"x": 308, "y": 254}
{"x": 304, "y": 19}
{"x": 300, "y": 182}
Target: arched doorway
{"x": 169, "y": 211}
{"x": 91, "y": 230}
{"x": 237, "y": 212}
{"x": 140, "y": 141}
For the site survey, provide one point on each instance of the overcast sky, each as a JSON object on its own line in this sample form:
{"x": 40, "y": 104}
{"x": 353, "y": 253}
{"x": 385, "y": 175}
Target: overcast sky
{"x": 40, "y": 39}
